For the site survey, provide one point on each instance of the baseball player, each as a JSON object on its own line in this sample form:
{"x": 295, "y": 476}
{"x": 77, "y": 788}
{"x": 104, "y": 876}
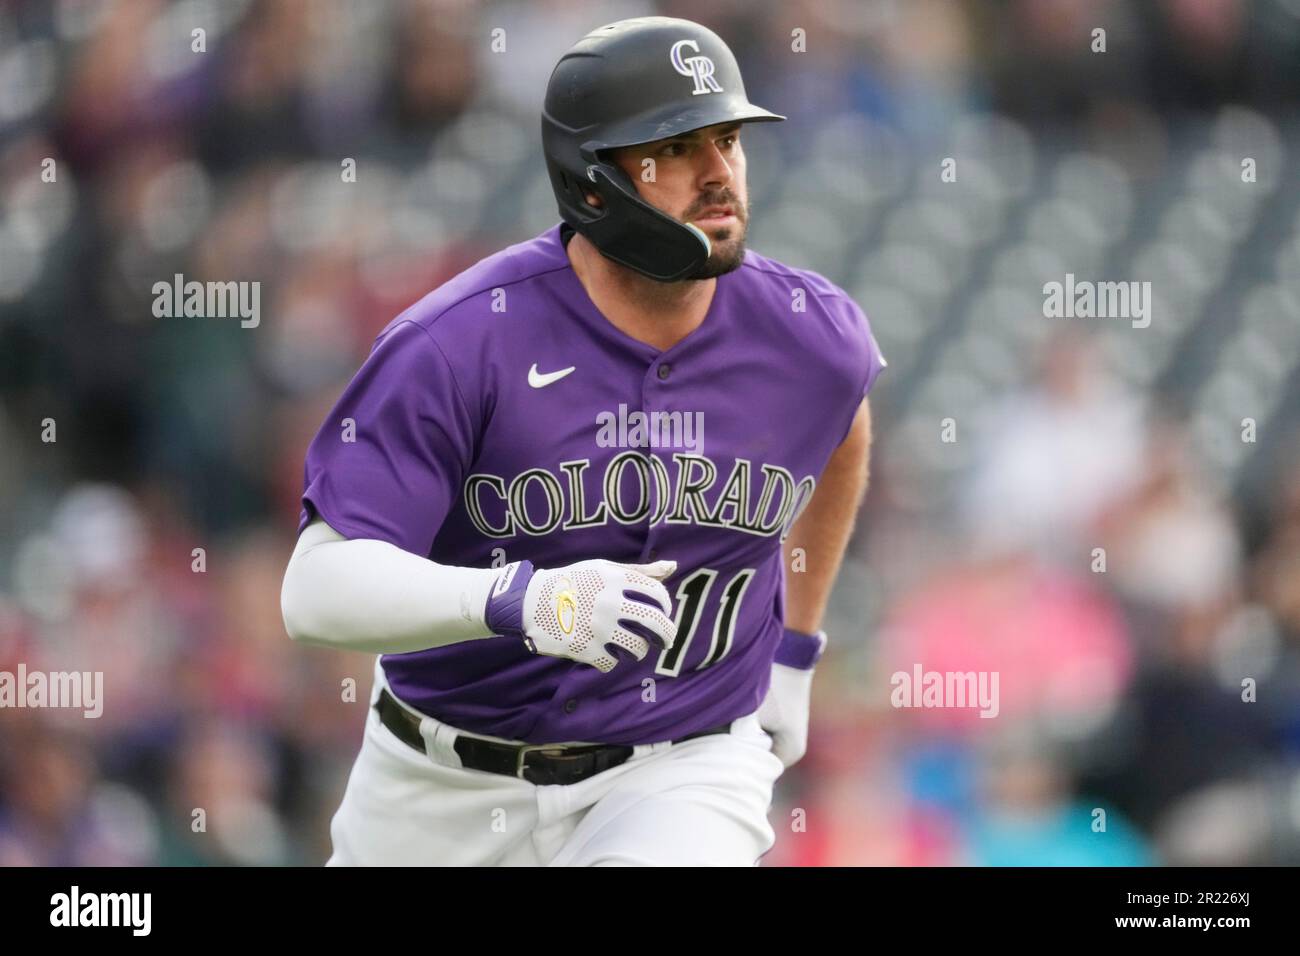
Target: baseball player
{"x": 587, "y": 500}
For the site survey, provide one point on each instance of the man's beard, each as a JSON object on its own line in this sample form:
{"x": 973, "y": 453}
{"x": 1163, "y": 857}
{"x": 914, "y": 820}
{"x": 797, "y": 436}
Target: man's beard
{"x": 726, "y": 254}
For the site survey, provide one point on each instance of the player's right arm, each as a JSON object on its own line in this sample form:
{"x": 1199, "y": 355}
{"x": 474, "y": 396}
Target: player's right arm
{"x": 369, "y": 595}
{"x": 382, "y": 474}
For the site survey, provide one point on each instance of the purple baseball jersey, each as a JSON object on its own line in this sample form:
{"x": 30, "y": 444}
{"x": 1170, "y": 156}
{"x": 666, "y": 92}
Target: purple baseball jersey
{"x": 504, "y": 417}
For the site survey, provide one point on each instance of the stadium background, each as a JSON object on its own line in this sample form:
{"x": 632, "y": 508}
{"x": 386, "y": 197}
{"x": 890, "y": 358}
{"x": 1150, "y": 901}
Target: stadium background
{"x": 1119, "y": 690}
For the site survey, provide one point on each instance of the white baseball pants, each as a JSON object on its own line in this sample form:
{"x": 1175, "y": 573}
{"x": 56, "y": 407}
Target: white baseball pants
{"x": 699, "y": 803}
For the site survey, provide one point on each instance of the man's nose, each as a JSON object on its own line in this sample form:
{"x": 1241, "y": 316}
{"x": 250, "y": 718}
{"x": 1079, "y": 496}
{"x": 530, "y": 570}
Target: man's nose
{"x": 716, "y": 170}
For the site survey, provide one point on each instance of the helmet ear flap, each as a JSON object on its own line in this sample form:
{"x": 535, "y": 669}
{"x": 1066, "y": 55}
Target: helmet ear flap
{"x": 635, "y": 234}
{"x": 601, "y": 177}
{"x": 577, "y": 189}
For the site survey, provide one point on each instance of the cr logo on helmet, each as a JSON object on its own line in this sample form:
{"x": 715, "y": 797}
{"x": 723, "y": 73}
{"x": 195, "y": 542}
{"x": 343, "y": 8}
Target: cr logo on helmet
{"x": 699, "y": 67}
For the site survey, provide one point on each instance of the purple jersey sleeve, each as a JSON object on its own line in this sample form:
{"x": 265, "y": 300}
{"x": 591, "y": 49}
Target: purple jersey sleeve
{"x": 393, "y": 473}
{"x": 863, "y": 357}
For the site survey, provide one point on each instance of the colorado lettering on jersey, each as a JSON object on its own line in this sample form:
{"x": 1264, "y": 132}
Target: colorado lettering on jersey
{"x": 775, "y": 507}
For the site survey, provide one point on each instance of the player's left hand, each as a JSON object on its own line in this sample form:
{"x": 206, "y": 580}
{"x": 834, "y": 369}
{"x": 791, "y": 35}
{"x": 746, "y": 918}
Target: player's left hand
{"x": 785, "y": 710}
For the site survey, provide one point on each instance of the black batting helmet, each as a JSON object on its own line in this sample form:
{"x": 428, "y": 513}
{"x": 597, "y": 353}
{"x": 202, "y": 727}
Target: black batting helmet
{"x": 632, "y": 82}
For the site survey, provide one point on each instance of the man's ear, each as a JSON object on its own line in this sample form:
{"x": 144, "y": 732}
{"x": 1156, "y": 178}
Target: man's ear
{"x": 593, "y": 200}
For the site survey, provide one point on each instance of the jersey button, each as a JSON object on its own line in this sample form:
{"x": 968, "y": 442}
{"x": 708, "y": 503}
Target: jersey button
{"x": 664, "y": 371}
{"x": 654, "y": 554}
{"x": 571, "y": 705}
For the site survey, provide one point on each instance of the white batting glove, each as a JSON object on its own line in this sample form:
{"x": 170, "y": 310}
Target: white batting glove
{"x": 573, "y": 612}
{"x": 785, "y": 710}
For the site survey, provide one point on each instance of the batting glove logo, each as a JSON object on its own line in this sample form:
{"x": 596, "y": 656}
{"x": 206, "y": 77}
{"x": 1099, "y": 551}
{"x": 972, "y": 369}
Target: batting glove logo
{"x": 566, "y": 610}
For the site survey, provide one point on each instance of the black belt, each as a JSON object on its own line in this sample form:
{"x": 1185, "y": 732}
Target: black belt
{"x": 536, "y": 763}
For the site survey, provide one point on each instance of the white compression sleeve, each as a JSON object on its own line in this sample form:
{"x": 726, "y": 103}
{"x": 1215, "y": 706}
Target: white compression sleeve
{"x": 367, "y": 595}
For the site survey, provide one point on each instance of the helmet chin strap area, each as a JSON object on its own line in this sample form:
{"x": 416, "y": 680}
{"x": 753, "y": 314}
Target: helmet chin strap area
{"x": 631, "y": 232}
{"x": 708, "y": 245}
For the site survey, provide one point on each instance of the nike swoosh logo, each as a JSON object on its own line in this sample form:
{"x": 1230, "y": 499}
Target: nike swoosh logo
{"x": 539, "y": 380}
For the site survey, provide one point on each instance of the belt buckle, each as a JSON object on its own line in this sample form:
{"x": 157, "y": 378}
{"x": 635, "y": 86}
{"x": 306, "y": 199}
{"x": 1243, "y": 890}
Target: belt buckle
{"x": 525, "y": 750}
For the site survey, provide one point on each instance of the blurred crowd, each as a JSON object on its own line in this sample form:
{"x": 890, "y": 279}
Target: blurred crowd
{"x": 1145, "y": 629}
{"x": 1094, "y": 526}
